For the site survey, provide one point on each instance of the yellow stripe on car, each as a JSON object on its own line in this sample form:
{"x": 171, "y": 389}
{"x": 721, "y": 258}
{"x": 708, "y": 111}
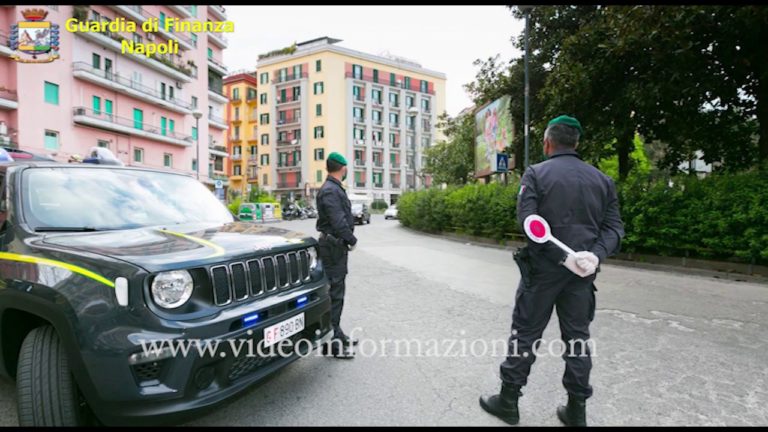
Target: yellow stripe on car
{"x": 218, "y": 250}
{"x": 44, "y": 261}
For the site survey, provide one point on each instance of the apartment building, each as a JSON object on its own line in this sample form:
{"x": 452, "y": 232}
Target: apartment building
{"x": 142, "y": 108}
{"x": 379, "y": 111}
{"x": 242, "y": 140}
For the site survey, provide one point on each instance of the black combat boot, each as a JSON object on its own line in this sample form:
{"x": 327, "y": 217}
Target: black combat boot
{"x": 503, "y": 405}
{"x": 575, "y": 413}
{"x": 338, "y": 349}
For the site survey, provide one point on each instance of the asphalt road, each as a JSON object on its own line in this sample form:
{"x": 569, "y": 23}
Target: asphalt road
{"x": 670, "y": 349}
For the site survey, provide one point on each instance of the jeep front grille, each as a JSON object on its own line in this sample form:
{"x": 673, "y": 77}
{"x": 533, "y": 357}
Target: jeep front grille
{"x": 238, "y": 281}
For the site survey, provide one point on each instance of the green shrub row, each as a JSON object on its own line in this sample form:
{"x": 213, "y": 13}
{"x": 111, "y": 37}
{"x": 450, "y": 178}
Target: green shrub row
{"x": 719, "y": 217}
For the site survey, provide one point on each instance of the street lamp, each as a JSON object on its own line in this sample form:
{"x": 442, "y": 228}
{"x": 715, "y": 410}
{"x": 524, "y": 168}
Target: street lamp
{"x": 527, "y": 11}
{"x": 197, "y": 114}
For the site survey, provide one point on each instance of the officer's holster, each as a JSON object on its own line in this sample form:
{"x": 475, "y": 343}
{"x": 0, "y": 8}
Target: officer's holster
{"x": 522, "y": 257}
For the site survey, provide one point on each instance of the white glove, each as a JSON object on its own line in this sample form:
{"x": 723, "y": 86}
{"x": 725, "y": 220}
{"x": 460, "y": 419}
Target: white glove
{"x": 570, "y": 264}
{"x": 350, "y": 247}
{"x": 587, "y": 260}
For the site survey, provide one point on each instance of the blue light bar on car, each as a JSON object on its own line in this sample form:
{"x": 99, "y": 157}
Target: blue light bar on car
{"x": 301, "y": 300}
{"x": 250, "y": 319}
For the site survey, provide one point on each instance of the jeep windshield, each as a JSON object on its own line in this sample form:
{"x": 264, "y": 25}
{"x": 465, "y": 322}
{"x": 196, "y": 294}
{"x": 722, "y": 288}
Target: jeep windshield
{"x": 95, "y": 199}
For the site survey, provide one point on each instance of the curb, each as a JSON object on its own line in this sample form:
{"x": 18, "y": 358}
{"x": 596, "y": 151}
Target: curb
{"x": 623, "y": 260}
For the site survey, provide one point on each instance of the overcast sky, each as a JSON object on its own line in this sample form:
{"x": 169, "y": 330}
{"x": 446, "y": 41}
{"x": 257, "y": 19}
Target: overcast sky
{"x": 442, "y": 38}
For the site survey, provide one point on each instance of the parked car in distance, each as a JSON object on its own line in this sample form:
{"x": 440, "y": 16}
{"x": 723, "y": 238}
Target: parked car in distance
{"x": 391, "y": 212}
{"x": 361, "y": 213}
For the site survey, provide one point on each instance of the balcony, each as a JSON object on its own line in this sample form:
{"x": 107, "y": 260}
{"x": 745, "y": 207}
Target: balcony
{"x": 217, "y": 66}
{"x": 127, "y": 86}
{"x": 134, "y": 12}
{"x": 377, "y": 122}
{"x": 289, "y": 167}
{"x": 289, "y": 185}
{"x": 394, "y": 185}
{"x": 9, "y": 99}
{"x": 360, "y": 163}
{"x": 165, "y": 66}
{"x": 288, "y": 143}
{"x": 237, "y": 157}
{"x": 360, "y": 184}
{"x": 217, "y": 122}
{"x": 378, "y": 164}
{"x": 111, "y": 122}
{"x": 183, "y": 11}
{"x": 359, "y": 142}
{"x": 288, "y": 121}
{"x": 395, "y": 145}
{"x": 394, "y": 125}
{"x": 358, "y": 98}
{"x": 376, "y": 102}
{"x": 218, "y": 11}
{"x": 5, "y": 45}
{"x": 359, "y": 120}
{"x": 217, "y": 95}
{"x": 280, "y": 79}
{"x": 218, "y": 39}
{"x": 394, "y": 104}
{"x": 378, "y": 186}
{"x": 235, "y": 138}
{"x": 287, "y": 100}
{"x": 218, "y": 150}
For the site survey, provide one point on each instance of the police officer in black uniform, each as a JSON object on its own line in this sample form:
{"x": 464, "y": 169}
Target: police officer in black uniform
{"x": 581, "y": 206}
{"x": 336, "y": 225}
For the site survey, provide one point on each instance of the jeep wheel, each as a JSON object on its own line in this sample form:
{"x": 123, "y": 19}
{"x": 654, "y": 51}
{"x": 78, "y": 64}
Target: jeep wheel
{"x": 47, "y": 393}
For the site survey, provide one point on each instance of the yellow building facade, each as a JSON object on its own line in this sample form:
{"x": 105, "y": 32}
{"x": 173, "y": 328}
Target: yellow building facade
{"x": 379, "y": 112}
{"x": 242, "y": 139}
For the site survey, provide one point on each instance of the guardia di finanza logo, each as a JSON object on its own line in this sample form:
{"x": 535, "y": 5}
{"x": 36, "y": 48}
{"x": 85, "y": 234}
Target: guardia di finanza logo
{"x": 33, "y": 38}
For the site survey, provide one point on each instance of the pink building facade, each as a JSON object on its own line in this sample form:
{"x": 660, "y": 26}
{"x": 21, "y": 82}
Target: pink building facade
{"x": 141, "y": 108}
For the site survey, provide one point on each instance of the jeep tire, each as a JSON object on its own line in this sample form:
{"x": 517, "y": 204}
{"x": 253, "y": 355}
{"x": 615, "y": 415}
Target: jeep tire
{"x": 46, "y": 389}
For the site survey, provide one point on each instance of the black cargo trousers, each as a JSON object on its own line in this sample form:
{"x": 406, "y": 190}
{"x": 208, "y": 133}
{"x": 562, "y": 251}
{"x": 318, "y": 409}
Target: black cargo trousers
{"x": 333, "y": 253}
{"x": 543, "y": 288}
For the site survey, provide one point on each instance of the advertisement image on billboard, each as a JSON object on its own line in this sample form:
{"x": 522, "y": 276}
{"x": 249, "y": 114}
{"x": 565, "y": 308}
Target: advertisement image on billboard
{"x": 493, "y": 133}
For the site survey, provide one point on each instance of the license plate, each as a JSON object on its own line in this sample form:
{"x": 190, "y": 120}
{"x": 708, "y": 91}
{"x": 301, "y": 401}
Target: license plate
{"x": 283, "y": 330}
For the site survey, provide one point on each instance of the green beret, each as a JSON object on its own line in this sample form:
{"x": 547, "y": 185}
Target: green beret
{"x": 568, "y": 121}
{"x": 338, "y": 158}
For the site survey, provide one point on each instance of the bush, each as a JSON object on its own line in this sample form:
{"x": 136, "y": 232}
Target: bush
{"x": 379, "y": 205}
{"x": 719, "y": 217}
{"x": 234, "y": 206}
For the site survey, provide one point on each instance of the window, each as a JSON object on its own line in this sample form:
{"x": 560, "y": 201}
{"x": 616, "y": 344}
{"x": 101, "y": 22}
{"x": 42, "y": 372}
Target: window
{"x": 264, "y": 159}
{"x": 194, "y": 39}
{"x": 375, "y": 75}
{"x": 319, "y": 88}
{"x": 297, "y": 71}
{"x": 394, "y": 118}
{"x": 138, "y": 118}
{"x": 357, "y": 71}
{"x": 376, "y": 116}
{"x": 237, "y": 113}
{"x": 51, "y": 93}
{"x": 264, "y": 119}
{"x": 102, "y": 143}
{"x": 210, "y": 53}
{"x": 96, "y": 61}
{"x": 318, "y": 110}
{"x": 296, "y": 93}
{"x": 318, "y": 66}
{"x": 167, "y": 160}
{"x": 194, "y": 133}
{"x": 236, "y": 93}
{"x": 263, "y": 98}
{"x": 253, "y": 150}
{"x": 264, "y": 139}
{"x": 237, "y": 132}
{"x": 264, "y": 180}
{"x": 264, "y": 78}
{"x": 194, "y": 165}
{"x": 96, "y": 105}
{"x": 393, "y": 99}
{"x": 282, "y": 136}
{"x": 408, "y": 101}
{"x": 392, "y": 138}
{"x": 319, "y": 176}
{"x": 162, "y": 20}
{"x": 194, "y": 101}
{"x": 193, "y": 10}
{"x": 171, "y": 126}
{"x": 51, "y": 140}
{"x": 357, "y": 93}
{"x": 238, "y": 170}
{"x": 163, "y": 126}
{"x": 392, "y": 79}
{"x": 358, "y": 113}
{"x": 138, "y": 155}
{"x": 319, "y": 132}
{"x": 376, "y": 96}
{"x": 137, "y": 38}
{"x": 424, "y": 86}
{"x": 425, "y": 104}
{"x": 319, "y": 154}
{"x": 408, "y": 82}
{"x": 108, "y": 108}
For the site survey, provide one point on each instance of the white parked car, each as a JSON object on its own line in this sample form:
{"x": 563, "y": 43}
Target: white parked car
{"x": 391, "y": 212}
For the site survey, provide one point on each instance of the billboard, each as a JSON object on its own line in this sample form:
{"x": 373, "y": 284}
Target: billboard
{"x": 493, "y": 133}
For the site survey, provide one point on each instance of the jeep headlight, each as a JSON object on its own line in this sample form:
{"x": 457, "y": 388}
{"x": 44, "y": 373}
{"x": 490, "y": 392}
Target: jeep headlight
{"x": 312, "y": 259}
{"x": 172, "y": 289}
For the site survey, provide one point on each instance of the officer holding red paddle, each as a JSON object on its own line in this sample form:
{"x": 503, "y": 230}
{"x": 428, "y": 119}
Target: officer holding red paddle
{"x": 581, "y": 207}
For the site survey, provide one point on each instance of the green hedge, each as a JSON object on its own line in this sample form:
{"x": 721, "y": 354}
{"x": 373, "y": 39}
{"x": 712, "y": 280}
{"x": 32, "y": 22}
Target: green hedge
{"x": 719, "y": 217}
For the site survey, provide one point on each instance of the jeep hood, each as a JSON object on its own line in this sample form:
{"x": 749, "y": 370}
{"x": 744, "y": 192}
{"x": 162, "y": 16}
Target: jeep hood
{"x": 182, "y": 246}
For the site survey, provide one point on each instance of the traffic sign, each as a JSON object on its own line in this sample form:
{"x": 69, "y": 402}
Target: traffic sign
{"x": 537, "y": 229}
{"x": 218, "y": 184}
{"x": 502, "y": 162}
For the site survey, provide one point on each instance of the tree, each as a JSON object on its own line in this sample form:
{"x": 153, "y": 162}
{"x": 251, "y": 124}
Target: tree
{"x": 452, "y": 160}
